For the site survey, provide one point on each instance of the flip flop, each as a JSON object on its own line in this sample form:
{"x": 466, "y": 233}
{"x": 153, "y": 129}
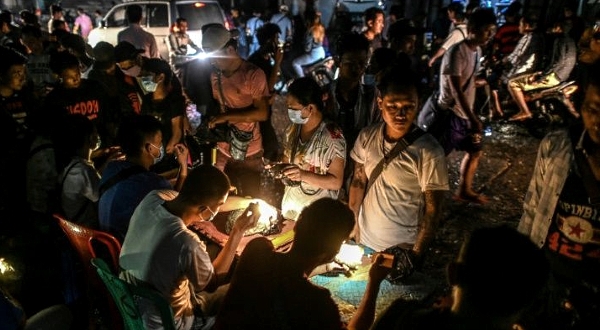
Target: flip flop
{"x": 477, "y": 199}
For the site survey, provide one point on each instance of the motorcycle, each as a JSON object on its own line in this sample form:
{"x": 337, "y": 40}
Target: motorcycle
{"x": 322, "y": 71}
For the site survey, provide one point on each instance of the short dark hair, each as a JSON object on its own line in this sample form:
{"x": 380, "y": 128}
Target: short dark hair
{"x": 480, "y": 19}
{"x": 133, "y": 13}
{"x": 322, "y": 223}
{"x": 398, "y": 78}
{"x": 503, "y": 280}
{"x": 204, "y": 184}
{"x": 594, "y": 75}
{"x": 179, "y": 20}
{"x": 158, "y": 66}
{"x": 351, "y": 42}
{"x": 57, "y": 24}
{"x": 371, "y": 13}
{"x": 60, "y": 61}
{"x": 133, "y": 132}
{"x": 267, "y": 32}
{"x": 9, "y": 58}
{"x": 71, "y": 133}
{"x": 55, "y": 9}
{"x": 458, "y": 9}
{"x": 531, "y": 20}
{"x": 307, "y": 91}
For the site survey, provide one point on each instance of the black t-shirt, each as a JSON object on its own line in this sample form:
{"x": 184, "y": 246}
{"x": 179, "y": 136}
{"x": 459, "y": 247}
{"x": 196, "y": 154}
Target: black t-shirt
{"x": 573, "y": 242}
{"x": 165, "y": 110}
{"x": 89, "y": 99}
{"x": 14, "y": 112}
{"x": 123, "y": 90}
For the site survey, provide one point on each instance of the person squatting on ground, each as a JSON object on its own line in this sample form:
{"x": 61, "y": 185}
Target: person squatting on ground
{"x": 314, "y": 147}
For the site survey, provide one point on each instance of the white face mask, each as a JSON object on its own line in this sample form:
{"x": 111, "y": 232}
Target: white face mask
{"x": 148, "y": 84}
{"x": 212, "y": 215}
{"x": 161, "y": 153}
{"x": 134, "y": 71}
{"x": 296, "y": 116}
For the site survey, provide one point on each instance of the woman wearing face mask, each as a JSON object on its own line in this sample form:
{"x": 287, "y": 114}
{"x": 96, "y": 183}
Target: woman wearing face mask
{"x": 315, "y": 148}
{"x": 166, "y": 104}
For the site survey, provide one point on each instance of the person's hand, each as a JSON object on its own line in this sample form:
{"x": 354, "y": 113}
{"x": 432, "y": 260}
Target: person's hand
{"x": 480, "y": 82}
{"x": 378, "y": 271}
{"x": 293, "y": 172}
{"x": 278, "y": 56}
{"x": 476, "y": 126}
{"x": 181, "y": 152}
{"x": 431, "y": 62}
{"x": 248, "y": 219}
{"x": 114, "y": 153}
{"x": 170, "y": 148}
{"x": 216, "y": 120}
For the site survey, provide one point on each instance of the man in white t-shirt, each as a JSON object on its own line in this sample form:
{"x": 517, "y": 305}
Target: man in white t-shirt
{"x": 401, "y": 205}
{"x": 457, "y": 94}
{"x": 458, "y": 31}
{"x": 160, "y": 251}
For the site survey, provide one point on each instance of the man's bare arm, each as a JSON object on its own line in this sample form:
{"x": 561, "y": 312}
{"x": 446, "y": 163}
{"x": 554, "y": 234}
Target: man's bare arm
{"x": 431, "y": 220}
{"x": 357, "y": 191}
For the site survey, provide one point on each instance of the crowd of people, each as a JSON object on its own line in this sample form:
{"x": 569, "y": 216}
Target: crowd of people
{"x": 99, "y": 135}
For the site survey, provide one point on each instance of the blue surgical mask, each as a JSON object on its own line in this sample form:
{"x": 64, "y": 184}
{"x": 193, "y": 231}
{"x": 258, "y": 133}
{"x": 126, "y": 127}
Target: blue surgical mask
{"x": 148, "y": 84}
{"x": 161, "y": 153}
{"x": 296, "y": 116}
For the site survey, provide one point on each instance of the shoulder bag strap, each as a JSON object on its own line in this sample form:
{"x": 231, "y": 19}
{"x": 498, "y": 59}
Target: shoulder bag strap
{"x": 406, "y": 141}
{"x": 121, "y": 176}
{"x": 221, "y": 94}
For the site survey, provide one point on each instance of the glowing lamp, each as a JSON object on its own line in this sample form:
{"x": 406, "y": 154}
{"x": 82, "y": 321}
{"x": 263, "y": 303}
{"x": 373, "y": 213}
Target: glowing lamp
{"x": 198, "y": 5}
{"x": 350, "y": 255}
{"x": 7, "y": 271}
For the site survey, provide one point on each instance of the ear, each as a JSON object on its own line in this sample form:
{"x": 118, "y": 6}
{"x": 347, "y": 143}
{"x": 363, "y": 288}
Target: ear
{"x": 379, "y": 102}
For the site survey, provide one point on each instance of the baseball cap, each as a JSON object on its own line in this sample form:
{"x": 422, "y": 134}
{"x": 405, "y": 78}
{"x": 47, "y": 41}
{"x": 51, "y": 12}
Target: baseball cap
{"x": 216, "y": 36}
{"x": 104, "y": 54}
{"x": 126, "y": 51}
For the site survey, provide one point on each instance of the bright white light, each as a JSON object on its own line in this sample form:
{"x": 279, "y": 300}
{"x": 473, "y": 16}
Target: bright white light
{"x": 268, "y": 213}
{"x": 5, "y": 267}
{"x": 350, "y": 254}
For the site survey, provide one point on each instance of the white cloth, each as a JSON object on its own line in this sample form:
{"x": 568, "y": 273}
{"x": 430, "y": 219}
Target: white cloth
{"x": 141, "y": 39}
{"x": 458, "y": 34}
{"x": 79, "y": 194}
{"x": 391, "y": 210}
{"x": 460, "y": 60}
{"x": 316, "y": 155}
{"x": 161, "y": 251}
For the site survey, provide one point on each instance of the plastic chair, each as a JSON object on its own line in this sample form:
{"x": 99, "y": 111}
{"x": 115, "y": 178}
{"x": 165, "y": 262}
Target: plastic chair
{"x": 125, "y": 294}
{"x": 90, "y": 244}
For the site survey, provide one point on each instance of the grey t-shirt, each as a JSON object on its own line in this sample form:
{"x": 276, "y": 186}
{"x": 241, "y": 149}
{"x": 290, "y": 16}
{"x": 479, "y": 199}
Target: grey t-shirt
{"x": 462, "y": 61}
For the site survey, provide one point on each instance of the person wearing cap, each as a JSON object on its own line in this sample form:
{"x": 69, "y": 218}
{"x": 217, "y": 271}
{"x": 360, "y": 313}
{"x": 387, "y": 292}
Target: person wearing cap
{"x": 114, "y": 81}
{"x": 9, "y": 33}
{"x": 165, "y": 103}
{"x": 241, "y": 89}
{"x": 285, "y": 24}
{"x": 136, "y": 35}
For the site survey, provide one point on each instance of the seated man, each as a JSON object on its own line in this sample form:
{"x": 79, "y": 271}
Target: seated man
{"x": 491, "y": 286}
{"x": 161, "y": 252}
{"x": 270, "y": 290}
{"x": 125, "y": 183}
{"x": 564, "y": 57}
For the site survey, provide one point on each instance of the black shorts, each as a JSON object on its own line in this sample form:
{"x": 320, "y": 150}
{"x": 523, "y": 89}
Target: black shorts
{"x": 458, "y": 136}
